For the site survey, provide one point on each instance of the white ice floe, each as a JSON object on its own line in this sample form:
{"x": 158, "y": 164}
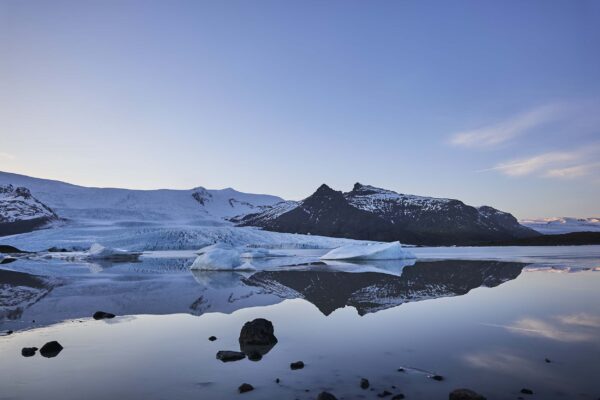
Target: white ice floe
{"x": 247, "y": 266}
{"x": 375, "y": 251}
{"x": 99, "y": 252}
{"x": 220, "y": 245}
{"x": 260, "y": 253}
{"x": 218, "y": 259}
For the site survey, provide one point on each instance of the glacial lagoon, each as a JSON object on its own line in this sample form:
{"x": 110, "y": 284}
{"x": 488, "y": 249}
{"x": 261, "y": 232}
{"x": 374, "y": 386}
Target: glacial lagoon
{"x": 492, "y": 320}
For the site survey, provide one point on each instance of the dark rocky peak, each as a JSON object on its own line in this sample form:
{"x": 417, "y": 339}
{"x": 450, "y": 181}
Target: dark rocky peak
{"x": 364, "y": 190}
{"x": 323, "y": 193}
{"x": 15, "y": 191}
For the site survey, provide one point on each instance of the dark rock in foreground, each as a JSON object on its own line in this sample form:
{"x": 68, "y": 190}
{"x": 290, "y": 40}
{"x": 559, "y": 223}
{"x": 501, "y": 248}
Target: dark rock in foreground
{"x": 51, "y": 349}
{"x": 258, "y": 332}
{"x": 212, "y": 338}
{"x": 364, "y": 383}
{"x": 245, "y": 387}
{"x": 103, "y": 315}
{"x": 438, "y": 378}
{"x": 465, "y": 394}
{"x": 226, "y": 355}
{"x": 526, "y": 391}
{"x": 326, "y": 396}
{"x": 28, "y": 351}
{"x": 297, "y": 365}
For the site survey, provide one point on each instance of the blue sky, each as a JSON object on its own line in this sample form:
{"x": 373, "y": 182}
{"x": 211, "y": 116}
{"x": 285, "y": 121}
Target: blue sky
{"x": 490, "y": 102}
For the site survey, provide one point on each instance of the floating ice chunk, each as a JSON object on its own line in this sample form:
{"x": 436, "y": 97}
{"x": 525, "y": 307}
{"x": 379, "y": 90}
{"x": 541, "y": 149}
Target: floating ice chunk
{"x": 218, "y": 259}
{"x": 99, "y": 252}
{"x": 222, "y": 246}
{"x": 260, "y": 253}
{"x": 246, "y": 267}
{"x": 376, "y": 251}
{"x": 256, "y": 253}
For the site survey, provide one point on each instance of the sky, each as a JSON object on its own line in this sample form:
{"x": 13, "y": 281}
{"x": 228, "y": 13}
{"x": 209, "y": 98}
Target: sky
{"x": 493, "y": 103}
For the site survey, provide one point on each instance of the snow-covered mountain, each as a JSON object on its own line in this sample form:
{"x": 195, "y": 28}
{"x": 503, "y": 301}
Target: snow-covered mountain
{"x": 197, "y": 206}
{"x": 560, "y": 225}
{"x": 372, "y": 213}
{"x": 21, "y": 212}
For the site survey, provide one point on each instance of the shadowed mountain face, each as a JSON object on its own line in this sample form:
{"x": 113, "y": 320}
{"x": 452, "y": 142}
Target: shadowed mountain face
{"x": 370, "y": 291}
{"x": 370, "y": 213}
{"x": 167, "y": 287}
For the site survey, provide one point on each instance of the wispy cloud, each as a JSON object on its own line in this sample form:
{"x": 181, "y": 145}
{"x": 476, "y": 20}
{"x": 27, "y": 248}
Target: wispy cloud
{"x": 576, "y": 163}
{"x": 500, "y": 132}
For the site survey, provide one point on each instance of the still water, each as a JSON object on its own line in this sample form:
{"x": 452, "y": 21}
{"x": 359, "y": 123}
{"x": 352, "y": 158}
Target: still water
{"x": 489, "y": 325}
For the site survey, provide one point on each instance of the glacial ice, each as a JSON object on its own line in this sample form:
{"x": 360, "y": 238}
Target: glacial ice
{"x": 220, "y": 245}
{"x": 99, "y": 252}
{"x": 218, "y": 259}
{"x": 375, "y": 251}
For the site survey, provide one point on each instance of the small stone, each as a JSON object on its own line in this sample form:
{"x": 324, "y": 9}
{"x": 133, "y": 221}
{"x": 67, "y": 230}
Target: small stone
{"x": 385, "y": 393}
{"x": 245, "y": 387}
{"x": 277, "y": 380}
{"x": 297, "y": 365}
{"x": 526, "y": 391}
{"x": 547, "y": 360}
{"x": 398, "y": 397}
{"x": 212, "y": 338}
{"x": 102, "y": 315}
{"x": 226, "y": 355}
{"x": 401, "y": 370}
{"x": 465, "y": 394}
{"x": 9, "y": 333}
{"x": 364, "y": 383}
{"x": 51, "y": 349}
{"x": 28, "y": 351}
{"x": 326, "y": 396}
{"x": 437, "y": 378}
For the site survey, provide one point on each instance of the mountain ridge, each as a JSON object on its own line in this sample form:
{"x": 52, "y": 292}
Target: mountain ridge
{"x": 371, "y": 213}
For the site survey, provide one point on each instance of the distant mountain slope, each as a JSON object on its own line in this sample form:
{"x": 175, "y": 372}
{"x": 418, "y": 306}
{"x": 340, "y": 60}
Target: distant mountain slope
{"x": 372, "y": 213}
{"x": 197, "y": 205}
{"x": 560, "y": 225}
{"x": 21, "y": 212}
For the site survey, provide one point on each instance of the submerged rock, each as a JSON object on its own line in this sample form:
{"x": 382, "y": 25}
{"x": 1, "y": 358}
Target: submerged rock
{"x": 465, "y": 394}
{"x": 245, "y": 387}
{"x": 326, "y": 396}
{"x": 226, "y": 355}
{"x": 28, "y": 351}
{"x": 297, "y": 365}
{"x": 51, "y": 349}
{"x": 526, "y": 391}
{"x": 102, "y": 315}
{"x": 364, "y": 383}
{"x": 212, "y": 338}
{"x": 398, "y": 397}
{"x": 438, "y": 378}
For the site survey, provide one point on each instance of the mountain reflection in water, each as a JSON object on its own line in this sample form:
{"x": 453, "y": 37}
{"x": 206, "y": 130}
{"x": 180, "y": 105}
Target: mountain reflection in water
{"x": 145, "y": 288}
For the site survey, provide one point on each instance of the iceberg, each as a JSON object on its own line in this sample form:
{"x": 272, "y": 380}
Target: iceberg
{"x": 99, "y": 252}
{"x": 375, "y": 251}
{"x": 220, "y": 245}
{"x": 246, "y": 267}
{"x": 217, "y": 259}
